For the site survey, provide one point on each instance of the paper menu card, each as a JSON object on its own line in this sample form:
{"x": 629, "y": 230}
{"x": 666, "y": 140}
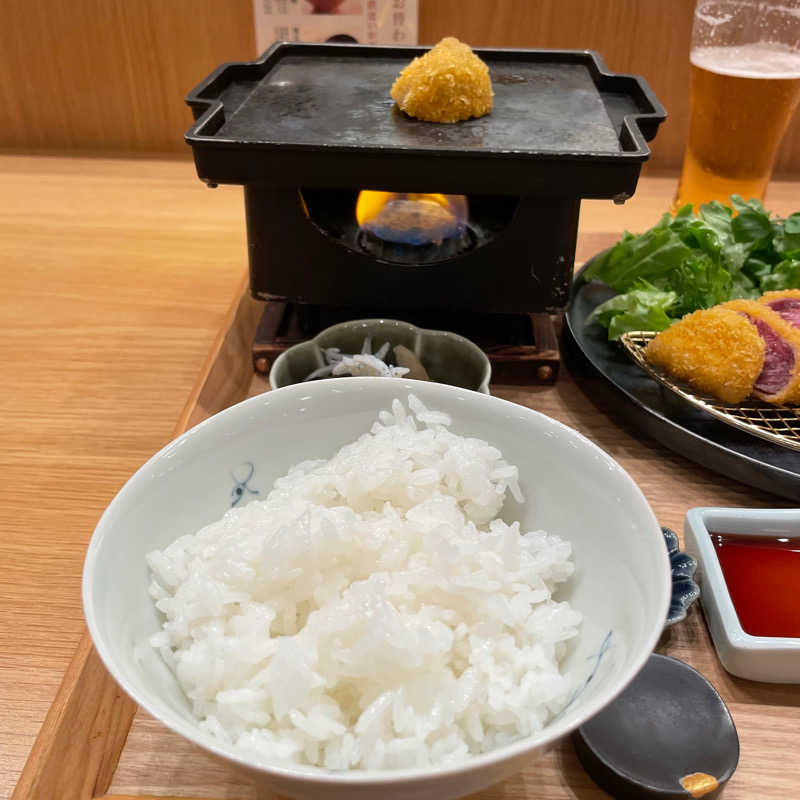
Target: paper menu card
{"x": 363, "y": 21}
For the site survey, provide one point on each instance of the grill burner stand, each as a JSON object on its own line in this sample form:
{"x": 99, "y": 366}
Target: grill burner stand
{"x": 522, "y": 348}
{"x": 497, "y": 284}
{"x": 305, "y": 246}
{"x": 413, "y": 255}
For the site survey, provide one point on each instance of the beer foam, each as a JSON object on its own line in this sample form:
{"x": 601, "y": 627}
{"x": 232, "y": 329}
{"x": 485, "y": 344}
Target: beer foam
{"x": 756, "y": 60}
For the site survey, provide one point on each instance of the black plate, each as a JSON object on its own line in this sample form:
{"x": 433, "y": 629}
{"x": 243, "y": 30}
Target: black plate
{"x": 321, "y": 115}
{"x": 667, "y": 725}
{"x": 665, "y": 416}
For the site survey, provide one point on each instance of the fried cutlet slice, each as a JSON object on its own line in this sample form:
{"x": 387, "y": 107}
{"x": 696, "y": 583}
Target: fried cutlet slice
{"x": 717, "y": 351}
{"x": 447, "y": 84}
{"x": 786, "y": 303}
{"x": 779, "y": 380}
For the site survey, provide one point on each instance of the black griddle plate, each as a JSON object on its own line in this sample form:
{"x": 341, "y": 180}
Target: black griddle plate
{"x": 321, "y": 115}
{"x": 539, "y": 108}
{"x": 663, "y": 414}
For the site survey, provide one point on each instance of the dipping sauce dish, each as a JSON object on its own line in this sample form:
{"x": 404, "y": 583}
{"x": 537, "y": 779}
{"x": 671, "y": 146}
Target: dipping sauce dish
{"x": 749, "y": 573}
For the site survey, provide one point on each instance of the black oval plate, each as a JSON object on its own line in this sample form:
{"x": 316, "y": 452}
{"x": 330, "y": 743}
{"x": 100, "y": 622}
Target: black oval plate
{"x": 665, "y": 416}
{"x": 668, "y": 725}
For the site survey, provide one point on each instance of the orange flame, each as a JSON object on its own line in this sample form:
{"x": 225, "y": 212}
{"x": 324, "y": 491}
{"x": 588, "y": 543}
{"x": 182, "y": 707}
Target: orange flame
{"x": 411, "y": 217}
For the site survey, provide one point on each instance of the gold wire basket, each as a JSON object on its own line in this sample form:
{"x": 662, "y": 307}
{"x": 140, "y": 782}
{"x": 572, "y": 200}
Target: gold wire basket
{"x": 777, "y": 424}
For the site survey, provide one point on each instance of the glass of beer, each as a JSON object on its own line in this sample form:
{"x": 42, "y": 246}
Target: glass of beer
{"x": 745, "y": 72}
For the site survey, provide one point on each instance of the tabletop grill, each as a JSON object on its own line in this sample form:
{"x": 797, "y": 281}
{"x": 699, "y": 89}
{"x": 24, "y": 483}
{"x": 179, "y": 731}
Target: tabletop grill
{"x": 354, "y": 209}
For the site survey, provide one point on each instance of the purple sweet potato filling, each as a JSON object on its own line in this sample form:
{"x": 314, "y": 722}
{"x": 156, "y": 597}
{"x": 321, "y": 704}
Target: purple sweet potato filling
{"x": 789, "y": 309}
{"x": 778, "y": 359}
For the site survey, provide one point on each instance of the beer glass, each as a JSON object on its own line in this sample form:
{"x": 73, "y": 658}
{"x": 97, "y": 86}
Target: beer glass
{"x": 745, "y": 86}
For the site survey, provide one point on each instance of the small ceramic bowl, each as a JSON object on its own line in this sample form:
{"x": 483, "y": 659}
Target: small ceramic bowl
{"x": 447, "y": 357}
{"x": 759, "y": 658}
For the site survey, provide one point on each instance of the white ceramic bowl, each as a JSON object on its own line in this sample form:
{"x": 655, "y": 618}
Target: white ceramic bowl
{"x": 621, "y": 584}
{"x": 760, "y": 658}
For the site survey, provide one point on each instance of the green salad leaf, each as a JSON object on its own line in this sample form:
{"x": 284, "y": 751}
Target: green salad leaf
{"x": 785, "y": 275}
{"x": 654, "y": 253}
{"x": 787, "y": 240}
{"x": 693, "y": 260}
{"x": 642, "y": 309}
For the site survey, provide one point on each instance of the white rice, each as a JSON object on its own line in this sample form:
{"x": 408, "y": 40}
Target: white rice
{"x": 373, "y": 612}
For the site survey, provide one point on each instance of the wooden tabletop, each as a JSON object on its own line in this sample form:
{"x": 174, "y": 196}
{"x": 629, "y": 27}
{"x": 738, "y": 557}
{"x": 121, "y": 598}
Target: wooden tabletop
{"x": 115, "y": 277}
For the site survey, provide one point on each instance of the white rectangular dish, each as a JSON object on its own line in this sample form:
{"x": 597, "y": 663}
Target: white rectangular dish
{"x": 761, "y": 658}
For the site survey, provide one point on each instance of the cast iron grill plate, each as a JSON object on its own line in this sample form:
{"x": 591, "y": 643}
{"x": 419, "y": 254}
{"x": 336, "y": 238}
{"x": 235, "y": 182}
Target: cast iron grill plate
{"x": 539, "y": 108}
{"x": 321, "y": 115}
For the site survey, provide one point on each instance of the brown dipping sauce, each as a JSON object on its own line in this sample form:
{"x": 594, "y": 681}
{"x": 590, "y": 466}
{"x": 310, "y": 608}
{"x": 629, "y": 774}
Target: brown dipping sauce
{"x": 763, "y": 578}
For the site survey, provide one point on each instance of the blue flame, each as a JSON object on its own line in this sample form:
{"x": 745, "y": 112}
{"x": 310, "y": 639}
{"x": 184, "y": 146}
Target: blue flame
{"x": 418, "y": 219}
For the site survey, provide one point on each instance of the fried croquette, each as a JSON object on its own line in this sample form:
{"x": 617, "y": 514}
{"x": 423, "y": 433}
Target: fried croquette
{"x": 447, "y": 84}
{"x": 784, "y": 294}
{"x": 786, "y": 303}
{"x": 717, "y": 351}
{"x": 779, "y": 381}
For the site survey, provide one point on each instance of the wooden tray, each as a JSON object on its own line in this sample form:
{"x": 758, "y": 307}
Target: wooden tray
{"x": 95, "y": 743}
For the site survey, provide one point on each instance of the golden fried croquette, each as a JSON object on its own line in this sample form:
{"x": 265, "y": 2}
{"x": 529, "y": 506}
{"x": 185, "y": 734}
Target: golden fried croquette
{"x": 779, "y": 382}
{"x": 786, "y": 303}
{"x": 447, "y": 84}
{"x": 758, "y": 310}
{"x": 784, "y": 294}
{"x": 716, "y": 350}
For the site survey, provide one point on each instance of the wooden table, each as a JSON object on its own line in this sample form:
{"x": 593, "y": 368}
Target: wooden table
{"x": 115, "y": 278}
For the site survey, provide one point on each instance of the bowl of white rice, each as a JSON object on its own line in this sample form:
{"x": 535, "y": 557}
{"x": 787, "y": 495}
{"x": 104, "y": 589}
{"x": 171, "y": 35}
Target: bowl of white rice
{"x": 376, "y": 589}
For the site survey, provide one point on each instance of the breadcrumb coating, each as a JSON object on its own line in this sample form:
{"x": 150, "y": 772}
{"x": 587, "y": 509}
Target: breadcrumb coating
{"x": 783, "y": 294}
{"x": 447, "y": 84}
{"x": 716, "y": 351}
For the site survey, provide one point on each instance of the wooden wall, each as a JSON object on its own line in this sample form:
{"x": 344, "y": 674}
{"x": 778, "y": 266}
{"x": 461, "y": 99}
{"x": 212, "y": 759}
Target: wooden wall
{"x": 110, "y": 75}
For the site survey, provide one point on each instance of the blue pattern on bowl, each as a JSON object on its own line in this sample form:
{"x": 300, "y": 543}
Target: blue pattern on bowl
{"x": 240, "y": 487}
{"x": 684, "y": 590}
{"x": 596, "y": 659}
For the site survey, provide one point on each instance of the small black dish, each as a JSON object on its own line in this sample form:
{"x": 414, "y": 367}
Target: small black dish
{"x": 668, "y": 735}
